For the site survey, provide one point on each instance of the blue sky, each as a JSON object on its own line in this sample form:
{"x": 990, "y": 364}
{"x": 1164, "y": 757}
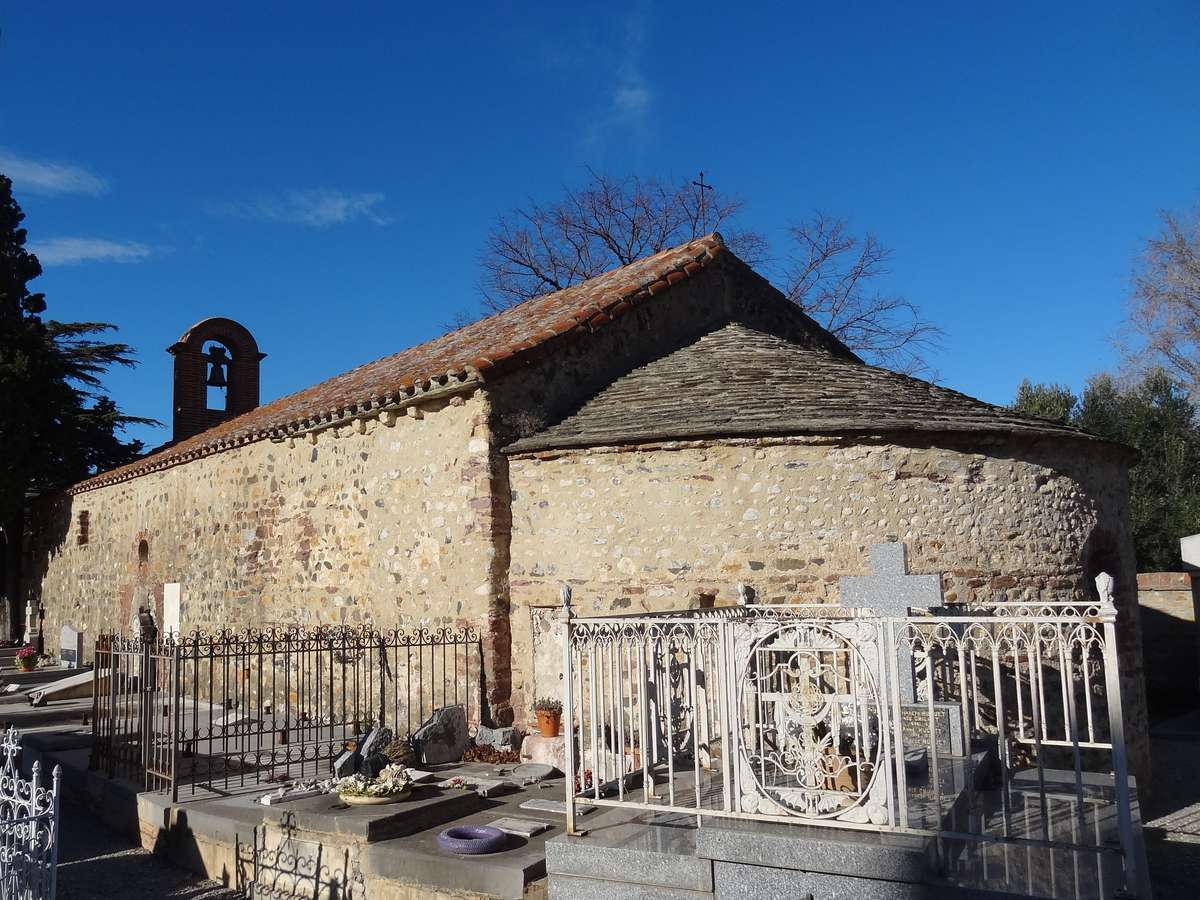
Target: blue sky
{"x": 326, "y": 174}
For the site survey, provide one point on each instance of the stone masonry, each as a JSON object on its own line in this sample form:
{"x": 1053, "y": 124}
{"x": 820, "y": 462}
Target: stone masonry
{"x": 680, "y": 524}
{"x": 652, "y": 436}
{"x": 392, "y": 525}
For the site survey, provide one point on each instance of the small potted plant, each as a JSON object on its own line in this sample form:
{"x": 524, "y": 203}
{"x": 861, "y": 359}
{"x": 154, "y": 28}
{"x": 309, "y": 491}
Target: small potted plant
{"x": 27, "y": 658}
{"x": 549, "y": 716}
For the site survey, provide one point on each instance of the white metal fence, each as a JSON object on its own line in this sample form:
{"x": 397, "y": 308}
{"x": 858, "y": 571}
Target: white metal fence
{"x": 28, "y": 828}
{"x": 994, "y": 725}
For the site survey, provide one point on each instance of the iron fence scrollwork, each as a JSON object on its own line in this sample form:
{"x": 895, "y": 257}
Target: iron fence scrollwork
{"x": 995, "y": 726}
{"x": 29, "y": 817}
{"x": 234, "y": 708}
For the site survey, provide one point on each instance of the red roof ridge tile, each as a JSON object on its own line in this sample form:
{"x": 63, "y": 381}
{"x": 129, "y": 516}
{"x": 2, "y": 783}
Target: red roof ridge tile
{"x": 465, "y": 354}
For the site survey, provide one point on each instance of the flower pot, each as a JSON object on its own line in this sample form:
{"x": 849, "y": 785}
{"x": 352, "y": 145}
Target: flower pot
{"x": 360, "y": 800}
{"x": 27, "y": 665}
{"x": 548, "y": 721}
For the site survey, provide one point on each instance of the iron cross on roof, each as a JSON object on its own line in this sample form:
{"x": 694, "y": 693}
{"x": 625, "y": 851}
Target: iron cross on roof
{"x": 703, "y": 201}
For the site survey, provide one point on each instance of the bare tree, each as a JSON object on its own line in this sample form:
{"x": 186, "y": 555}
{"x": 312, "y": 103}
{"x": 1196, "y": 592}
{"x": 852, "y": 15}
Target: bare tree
{"x": 608, "y": 223}
{"x": 1164, "y": 310}
{"x": 611, "y": 222}
{"x": 831, "y": 273}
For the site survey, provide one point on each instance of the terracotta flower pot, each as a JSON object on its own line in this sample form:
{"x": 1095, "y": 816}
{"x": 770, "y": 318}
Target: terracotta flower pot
{"x": 27, "y": 665}
{"x": 548, "y": 721}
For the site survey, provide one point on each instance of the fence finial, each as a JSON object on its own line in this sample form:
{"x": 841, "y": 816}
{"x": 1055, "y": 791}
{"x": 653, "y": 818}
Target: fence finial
{"x": 1104, "y": 587}
{"x": 745, "y": 594}
{"x": 568, "y": 612}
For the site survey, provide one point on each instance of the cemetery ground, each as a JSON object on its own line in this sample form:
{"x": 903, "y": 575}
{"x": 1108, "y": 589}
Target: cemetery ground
{"x": 1173, "y": 818}
{"x": 97, "y": 863}
{"x": 115, "y": 842}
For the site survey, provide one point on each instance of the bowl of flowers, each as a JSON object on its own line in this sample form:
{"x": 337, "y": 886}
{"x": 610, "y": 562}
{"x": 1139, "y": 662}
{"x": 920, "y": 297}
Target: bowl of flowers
{"x": 390, "y": 786}
{"x": 27, "y": 658}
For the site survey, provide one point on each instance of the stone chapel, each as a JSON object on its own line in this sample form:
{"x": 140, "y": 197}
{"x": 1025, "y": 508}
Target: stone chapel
{"x": 652, "y": 437}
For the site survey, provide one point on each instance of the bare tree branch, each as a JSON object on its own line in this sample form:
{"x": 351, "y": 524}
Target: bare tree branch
{"x": 829, "y": 275}
{"x": 612, "y": 222}
{"x": 1164, "y": 310}
{"x": 609, "y": 222}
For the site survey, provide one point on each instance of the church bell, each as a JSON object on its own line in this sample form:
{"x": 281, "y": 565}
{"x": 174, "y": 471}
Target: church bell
{"x": 216, "y": 368}
{"x": 216, "y": 375}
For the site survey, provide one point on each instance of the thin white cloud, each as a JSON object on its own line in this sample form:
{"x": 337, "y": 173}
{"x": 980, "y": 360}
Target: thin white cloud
{"x": 626, "y": 108}
{"x": 46, "y": 177}
{"x": 631, "y": 99}
{"x": 71, "y": 251}
{"x": 314, "y": 208}
{"x": 632, "y": 96}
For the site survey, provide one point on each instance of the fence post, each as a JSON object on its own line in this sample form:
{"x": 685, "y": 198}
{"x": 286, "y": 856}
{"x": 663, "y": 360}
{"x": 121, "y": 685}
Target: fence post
{"x": 55, "y": 793}
{"x": 565, "y": 616}
{"x": 1112, "y": 684}
{"x": 109, "y": 753}
{"x": 147, "y": 686}
{"x": 176, "y": 713}
{"x": 383, "y": 676}
{"x": 94, "y": 756}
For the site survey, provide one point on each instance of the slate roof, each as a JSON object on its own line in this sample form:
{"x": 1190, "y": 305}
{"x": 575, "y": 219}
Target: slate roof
{"x": 481, "y": 349}
{"x": 739, "y": 382}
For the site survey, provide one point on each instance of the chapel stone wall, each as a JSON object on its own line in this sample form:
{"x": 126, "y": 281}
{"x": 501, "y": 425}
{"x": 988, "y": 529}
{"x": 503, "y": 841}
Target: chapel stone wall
{"x": 391, "y": 526}
{"x": 681, "y": 524}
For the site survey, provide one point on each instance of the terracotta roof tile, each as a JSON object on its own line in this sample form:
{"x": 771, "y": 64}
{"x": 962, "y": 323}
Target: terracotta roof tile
{"x": 468, "y": 353}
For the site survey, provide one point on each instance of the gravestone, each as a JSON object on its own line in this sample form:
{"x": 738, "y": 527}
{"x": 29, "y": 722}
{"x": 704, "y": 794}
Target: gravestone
{"x": 949, "y": 737}
{"x": 374, "y": 760}
{"x": 70, "y": 647}
{"x": 172, "y": 608}
{"x": 28, "y": 621}
{"x": 890, "y": 591}
{"x": 346, "y": 763}
{"x": 507, "y": 738}
{"x": 443, "y": 738}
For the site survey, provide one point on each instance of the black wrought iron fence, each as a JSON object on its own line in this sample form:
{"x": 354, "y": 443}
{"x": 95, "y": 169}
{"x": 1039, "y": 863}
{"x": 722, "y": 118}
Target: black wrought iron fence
{"x": 218, "y": 710}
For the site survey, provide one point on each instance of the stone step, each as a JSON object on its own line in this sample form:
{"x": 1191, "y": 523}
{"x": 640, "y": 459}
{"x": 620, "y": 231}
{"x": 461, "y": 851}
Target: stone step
{"x": 648, "y": 856}
{"x": 418, "y": 860}
{"x": 428, "y": 807}
{"x": 572, "y": 887}
{"x": 860, "y": 854}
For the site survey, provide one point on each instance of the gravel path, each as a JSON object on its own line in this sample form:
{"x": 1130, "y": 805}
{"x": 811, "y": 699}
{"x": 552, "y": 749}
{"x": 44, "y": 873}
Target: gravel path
{"x": 1172, "y": 826}
{"x": 97, "y": 864}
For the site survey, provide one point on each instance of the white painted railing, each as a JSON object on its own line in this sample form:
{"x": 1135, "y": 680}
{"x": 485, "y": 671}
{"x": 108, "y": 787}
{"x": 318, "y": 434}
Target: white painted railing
{"x": 995, "y": 725}
{"x": 28, "y": 828}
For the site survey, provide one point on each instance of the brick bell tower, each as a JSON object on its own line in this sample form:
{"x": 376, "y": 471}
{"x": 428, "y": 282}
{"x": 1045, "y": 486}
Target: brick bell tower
{"x": 216, "y": 375}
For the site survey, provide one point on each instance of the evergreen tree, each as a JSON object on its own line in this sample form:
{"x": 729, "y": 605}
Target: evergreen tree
{"x": 1156, "y": 416}
{"x": 1055, "y": 402}
{"x": 56, "y": 425}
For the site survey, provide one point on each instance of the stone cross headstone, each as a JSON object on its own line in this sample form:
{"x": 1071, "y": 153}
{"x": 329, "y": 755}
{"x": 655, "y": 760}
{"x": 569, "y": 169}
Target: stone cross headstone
{"x": 70, "y": 647}
{"x": 172, "y": 608}
{"x": 890, "y": 591}
{"x": 28, "y": 621}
